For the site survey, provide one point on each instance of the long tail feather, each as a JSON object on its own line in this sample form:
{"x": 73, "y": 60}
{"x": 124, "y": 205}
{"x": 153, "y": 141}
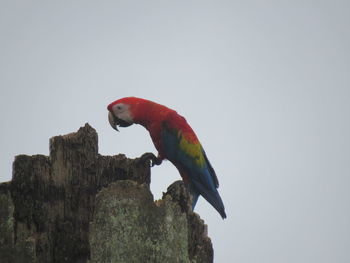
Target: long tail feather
{"x": 212, "y": 196}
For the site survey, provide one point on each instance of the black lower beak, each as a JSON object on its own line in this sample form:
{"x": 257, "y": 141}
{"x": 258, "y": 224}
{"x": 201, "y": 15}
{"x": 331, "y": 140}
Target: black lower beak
{"x": 122, "y": 123}
{"x": 115, "y": 122}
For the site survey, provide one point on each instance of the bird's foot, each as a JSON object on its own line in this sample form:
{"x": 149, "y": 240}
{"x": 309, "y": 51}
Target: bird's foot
{"x": 150, "y": 157}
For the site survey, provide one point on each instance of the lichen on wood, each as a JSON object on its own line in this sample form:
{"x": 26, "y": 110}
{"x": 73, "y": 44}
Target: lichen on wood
{"x": 76, "y": 205}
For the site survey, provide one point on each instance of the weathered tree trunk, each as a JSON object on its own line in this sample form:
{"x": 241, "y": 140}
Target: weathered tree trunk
{"x": 79, "y": 206}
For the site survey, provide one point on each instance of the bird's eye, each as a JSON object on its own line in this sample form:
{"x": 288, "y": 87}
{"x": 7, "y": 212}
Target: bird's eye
{"x": 119, "y": 107}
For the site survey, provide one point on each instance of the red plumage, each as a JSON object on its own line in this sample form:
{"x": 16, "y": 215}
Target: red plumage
{"x": 176, "y": 141}
{"x": 151, "y": 115}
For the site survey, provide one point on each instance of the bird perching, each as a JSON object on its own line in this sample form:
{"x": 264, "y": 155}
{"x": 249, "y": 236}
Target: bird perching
{"x": 175, "y": 141}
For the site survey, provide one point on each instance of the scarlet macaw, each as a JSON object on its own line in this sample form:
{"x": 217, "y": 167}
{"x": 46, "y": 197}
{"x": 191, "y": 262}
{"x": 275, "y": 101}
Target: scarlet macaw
{"x": 175, "y": 140}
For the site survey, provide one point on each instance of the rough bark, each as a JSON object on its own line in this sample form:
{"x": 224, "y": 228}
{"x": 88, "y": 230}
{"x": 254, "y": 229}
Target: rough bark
{"x": 79, "y": 206}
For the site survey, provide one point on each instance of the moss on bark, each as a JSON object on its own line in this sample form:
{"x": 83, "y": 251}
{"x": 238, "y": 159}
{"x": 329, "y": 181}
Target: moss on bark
{"x": 78, "y": 206}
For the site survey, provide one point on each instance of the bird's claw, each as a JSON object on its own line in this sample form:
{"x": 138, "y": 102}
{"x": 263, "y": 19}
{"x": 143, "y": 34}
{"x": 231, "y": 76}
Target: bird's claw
{"x": 150, "y": 157}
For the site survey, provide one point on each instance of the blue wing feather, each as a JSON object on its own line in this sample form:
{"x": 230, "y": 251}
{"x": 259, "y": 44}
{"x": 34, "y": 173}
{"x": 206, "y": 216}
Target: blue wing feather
{"x": 202, "y": 178}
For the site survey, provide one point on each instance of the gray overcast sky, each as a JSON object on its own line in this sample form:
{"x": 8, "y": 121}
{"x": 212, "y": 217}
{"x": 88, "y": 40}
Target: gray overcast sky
{"x": 265, "y": 84}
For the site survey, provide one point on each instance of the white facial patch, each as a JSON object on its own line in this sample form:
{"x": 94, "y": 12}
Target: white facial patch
{"x": 121, "y": 111}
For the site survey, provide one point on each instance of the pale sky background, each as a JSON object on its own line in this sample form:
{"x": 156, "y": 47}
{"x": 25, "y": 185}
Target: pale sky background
{"x": 265, "y": 85}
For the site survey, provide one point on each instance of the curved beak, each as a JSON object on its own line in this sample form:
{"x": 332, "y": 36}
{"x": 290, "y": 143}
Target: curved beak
{"x": 115, "y": 122}
{"x": 112, "y": 121}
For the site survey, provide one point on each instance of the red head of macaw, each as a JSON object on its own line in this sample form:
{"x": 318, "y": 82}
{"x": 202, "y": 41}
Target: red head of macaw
{"x": 175, "y": 140}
